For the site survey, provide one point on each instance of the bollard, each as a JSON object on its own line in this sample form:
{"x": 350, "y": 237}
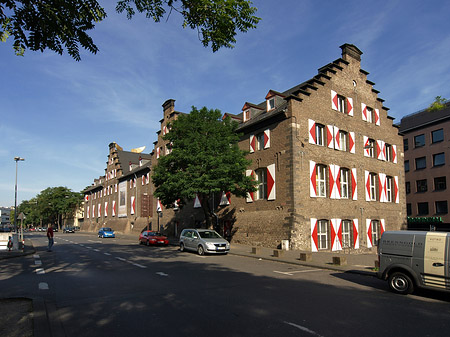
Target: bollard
{"x": 306, "y": 257}
{"x": 340, "y": 260}
{"x": 277, "y": 253}
{"x": 256, "y": 250}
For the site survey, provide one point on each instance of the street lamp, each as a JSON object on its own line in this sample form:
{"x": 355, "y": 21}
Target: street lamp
{"x": 17, "y": 159}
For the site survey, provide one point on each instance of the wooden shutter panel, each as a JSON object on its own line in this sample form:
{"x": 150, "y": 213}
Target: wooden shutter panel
{"x": 314, "y": 239}
{"x": 252, "y": 143}
{"x": 351, "y": 142}
{"x": 369, "y": 233}
{"x": 350, "y": 106}
{"x": 334, "y": 100}
{"x": 267, "y": 139}
{"x": 271, "y": 190}
{"x": 355, "y": 234}
{"x": 354, "y": 185}
{"x": 313, "y": 178}
{"x": 250, "y": 195}
{"x": 312, "y": 131}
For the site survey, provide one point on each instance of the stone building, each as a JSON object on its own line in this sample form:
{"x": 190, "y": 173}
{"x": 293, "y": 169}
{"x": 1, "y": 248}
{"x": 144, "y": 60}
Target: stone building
{"x": 426, "y": 144}
{"x": 327, "y": 158}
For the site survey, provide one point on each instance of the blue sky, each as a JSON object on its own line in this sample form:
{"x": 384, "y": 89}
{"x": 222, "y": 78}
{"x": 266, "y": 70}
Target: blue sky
{"x": 60, "y": 115}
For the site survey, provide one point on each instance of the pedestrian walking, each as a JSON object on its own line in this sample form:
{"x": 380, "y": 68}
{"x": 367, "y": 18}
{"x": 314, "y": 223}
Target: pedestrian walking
{"x": 50, "y": 238}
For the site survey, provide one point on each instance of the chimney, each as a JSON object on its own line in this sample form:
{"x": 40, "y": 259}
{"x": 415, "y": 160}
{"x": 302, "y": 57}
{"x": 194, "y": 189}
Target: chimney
{"x": 350, "y": 50}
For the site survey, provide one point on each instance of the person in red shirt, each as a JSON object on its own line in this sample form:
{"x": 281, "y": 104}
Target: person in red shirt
{"x": 50, "y": 238}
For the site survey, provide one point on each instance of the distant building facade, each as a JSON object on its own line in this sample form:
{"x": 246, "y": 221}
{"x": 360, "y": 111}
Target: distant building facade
{"x": 327, "y": 158}
{"x": 427, "y": 158}
{"x": 5, "y": 214}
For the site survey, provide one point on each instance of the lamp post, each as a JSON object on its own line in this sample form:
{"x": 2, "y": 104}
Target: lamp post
{"x": 17, "y": 159}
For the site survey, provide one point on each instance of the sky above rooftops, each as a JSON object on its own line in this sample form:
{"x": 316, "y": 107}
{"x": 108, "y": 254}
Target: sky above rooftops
{"x": 60, "y": 115}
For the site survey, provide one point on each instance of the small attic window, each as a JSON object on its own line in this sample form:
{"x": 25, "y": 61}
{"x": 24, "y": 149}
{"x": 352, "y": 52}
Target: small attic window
{"x": 271, "y": 104}
{"x": 247, "y": 115}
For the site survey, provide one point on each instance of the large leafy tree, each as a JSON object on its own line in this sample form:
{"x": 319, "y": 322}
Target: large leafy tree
{"x": 61, "y": 24}
{"x": 205, "y": 161}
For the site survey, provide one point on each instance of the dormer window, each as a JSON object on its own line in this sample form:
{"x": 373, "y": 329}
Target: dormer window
{"x": 271, "y": 104}
{"x": 247, "y": 115}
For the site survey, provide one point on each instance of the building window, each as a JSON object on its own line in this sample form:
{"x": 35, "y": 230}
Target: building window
{"x": 421, "y": 185}
{"x": 388, "y": 149}
{"x": 346, "y": 234}
{"x": 375, "y": 232}
{"x": 343, "y": 136}
{"x": 390, "y": 189}
{"x": 440, "y": 183}
{"x": 260, "y": 141}
{"x": 261, "y": 178}
{"x": 408, "y": 210}
{"x": 270, "y": 104}
{"x": 371, "y": 148}
{"x": 408, "y": 187}
{"x": 321, "y": 181}
{"x": 437, "y": 136}
{"x": 322, "y": 234}
{"x": 422, "y": 208}
{"x": 419, "y": 140}
{"x": 439, "y": 159}
{"x": 344, "y": 180}
{"x": 405, "y": 144}
{"x": 373, "y": 186}
{"x": 406, "y": 165}
{"x": 246, "y": 115}
{"x": 441, "y": 207}
{"x": 421, "y": 163}
{"x": 342, "y": 107}
{"x": 320, "y": 134}
{"x": 370, "y": 115}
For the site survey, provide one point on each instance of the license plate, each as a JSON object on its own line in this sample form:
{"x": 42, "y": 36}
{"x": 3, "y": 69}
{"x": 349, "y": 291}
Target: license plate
{"x": 160, "y": 241}
{"x": 220, "y": 248}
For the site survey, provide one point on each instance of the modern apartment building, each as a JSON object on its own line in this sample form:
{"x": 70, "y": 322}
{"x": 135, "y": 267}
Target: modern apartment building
{"x": 427, "y": 157}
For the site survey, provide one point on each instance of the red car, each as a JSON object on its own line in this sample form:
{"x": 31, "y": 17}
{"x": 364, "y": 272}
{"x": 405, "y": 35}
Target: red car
{"x": 153, "y": 238}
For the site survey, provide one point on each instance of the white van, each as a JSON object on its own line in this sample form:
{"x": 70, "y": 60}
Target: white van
{"x": 410, "y": 259}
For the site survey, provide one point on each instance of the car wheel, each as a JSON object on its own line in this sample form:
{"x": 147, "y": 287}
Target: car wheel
{"x": 401, "y": 283}
{"x": 148, "y": 243}
{"x": 200, "y": 250}
{"x": 181, "y": 247}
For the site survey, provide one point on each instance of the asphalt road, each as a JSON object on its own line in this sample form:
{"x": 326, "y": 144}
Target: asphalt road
{"x": 114, "y": 287}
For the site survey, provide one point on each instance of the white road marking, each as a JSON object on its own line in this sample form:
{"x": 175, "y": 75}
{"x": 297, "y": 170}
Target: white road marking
{"x": 40, "y": 271}
{"x": 36, "y": 256}
{"x": 138, "y": 265}
{"x": 120, "y": 258}
{"x": 107, "y": 254}
{"x": 38, "y": 262}
{"x": 43, "y": 286}
{"x": 98, "y": 241}
{"x": 291, "y": 273}
{"x": 303, "y": 329}
{"x": 97, "y": 250}
{"x": 160, "y": 273}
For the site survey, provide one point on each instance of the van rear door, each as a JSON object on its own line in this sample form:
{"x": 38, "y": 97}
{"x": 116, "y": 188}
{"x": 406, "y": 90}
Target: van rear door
{"x": 436, "y": 264}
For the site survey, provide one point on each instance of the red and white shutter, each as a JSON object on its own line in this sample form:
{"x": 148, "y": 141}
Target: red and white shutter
{"x": 351, "y": 142}
{"x": 159, "y": 207}
{"x": 336, "y": 241}
{"x": 337, "y": 145}
{"x": 250, "y": 195}
{"x": 369, "y": 233}
{"x": 158, "y": 152}
{"x": 314, "y": 238}
{"x": 93, "y": 211}
{"x": 364, "y": 112}
{"x": 355, "y": 234}
{"x": 197, "y": 203}
{"x": 381, "y": 150}
{"x": 133, "y": 205}
{"x": 396, "y": 192}
{"x": 382, "y": 187}
{"x": 115, "y": 188}
{"x": 350, "y": 106}
{"x": 106, "y": 208}
{"x": 225, "y": 199}
{"x": 99, "y": 213}
{"x": 267, "y": 139}
{"x": 377, "y": 116}
{"x": 312, "y": 179}
{"x": 366, "y": 146}
{"x": 271, "y": 190}
{"x": 312, "y": 131}
{"x": 367, "y": 184}
{"x": 113, "y": 209}
{"x": 394, "y": 154}
{"x": 334, "y": 100}
{"x": 252, "y": 143}
{"x": 87, "y": 213}
{"x": 148, "y": 178}
{"x": 354, "y": 185}
{"x": 330, "y": 136}
{"x": 382, "y": 227}
{"x": 334, "y": 171}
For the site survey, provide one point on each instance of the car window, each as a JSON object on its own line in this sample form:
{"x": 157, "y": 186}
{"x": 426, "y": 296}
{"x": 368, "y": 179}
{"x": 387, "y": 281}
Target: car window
{"x": 107, "y": 229}
{"x": 209, "y": 235}
{"x": 194, "y": 235}
{"x": 188, "y": 234}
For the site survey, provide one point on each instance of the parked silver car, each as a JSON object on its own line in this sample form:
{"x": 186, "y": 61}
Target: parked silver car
{"x": 203, "y": 241}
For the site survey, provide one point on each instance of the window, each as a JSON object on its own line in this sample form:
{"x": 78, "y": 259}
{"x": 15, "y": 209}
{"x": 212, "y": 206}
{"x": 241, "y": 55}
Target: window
{"x": 346, "y": 234}
{"x": 389, "y": 189}
{"x": 270, "y": 104}
{"x": 246, "y": 115}
{"x": 421, "y": 185}
{"x": 422, "y": 208}
{"x": 406, "y": 165}
{"x": 419, "y": 140}
{"x": 405, "y": 144}
{"x": 440, "y": 183}
{"x": 375, "y": 232}
{"x": 320, "y": 135}
{"x": 373, "y": 186}
{"x": 261, "y": 178}
{"x": 408, "y": 210}
{"x": 370, "y": 115}
{"x": 322, "y": 234}
{"x": 437, "y": 136}
{"x": 260, "y": 141}
{"x": 408, "y": 187}
{"x": 345, "y": 186}
{"x": 421, "y": 163}
{"x": 388, "y": 150}
{"x": 321, "y": 181}
{"x": 439, "y": 159}
{"x": 342, "y": 107}
{"x": 343, "y": 136}
{"x": 371, "y": 148}
{"x": 441, "y": 207}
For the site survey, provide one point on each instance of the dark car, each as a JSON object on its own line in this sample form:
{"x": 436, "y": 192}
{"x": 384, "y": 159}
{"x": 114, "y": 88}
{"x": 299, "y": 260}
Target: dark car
{"x": 69, "y": 230}
{"x": 153, "y": 238}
